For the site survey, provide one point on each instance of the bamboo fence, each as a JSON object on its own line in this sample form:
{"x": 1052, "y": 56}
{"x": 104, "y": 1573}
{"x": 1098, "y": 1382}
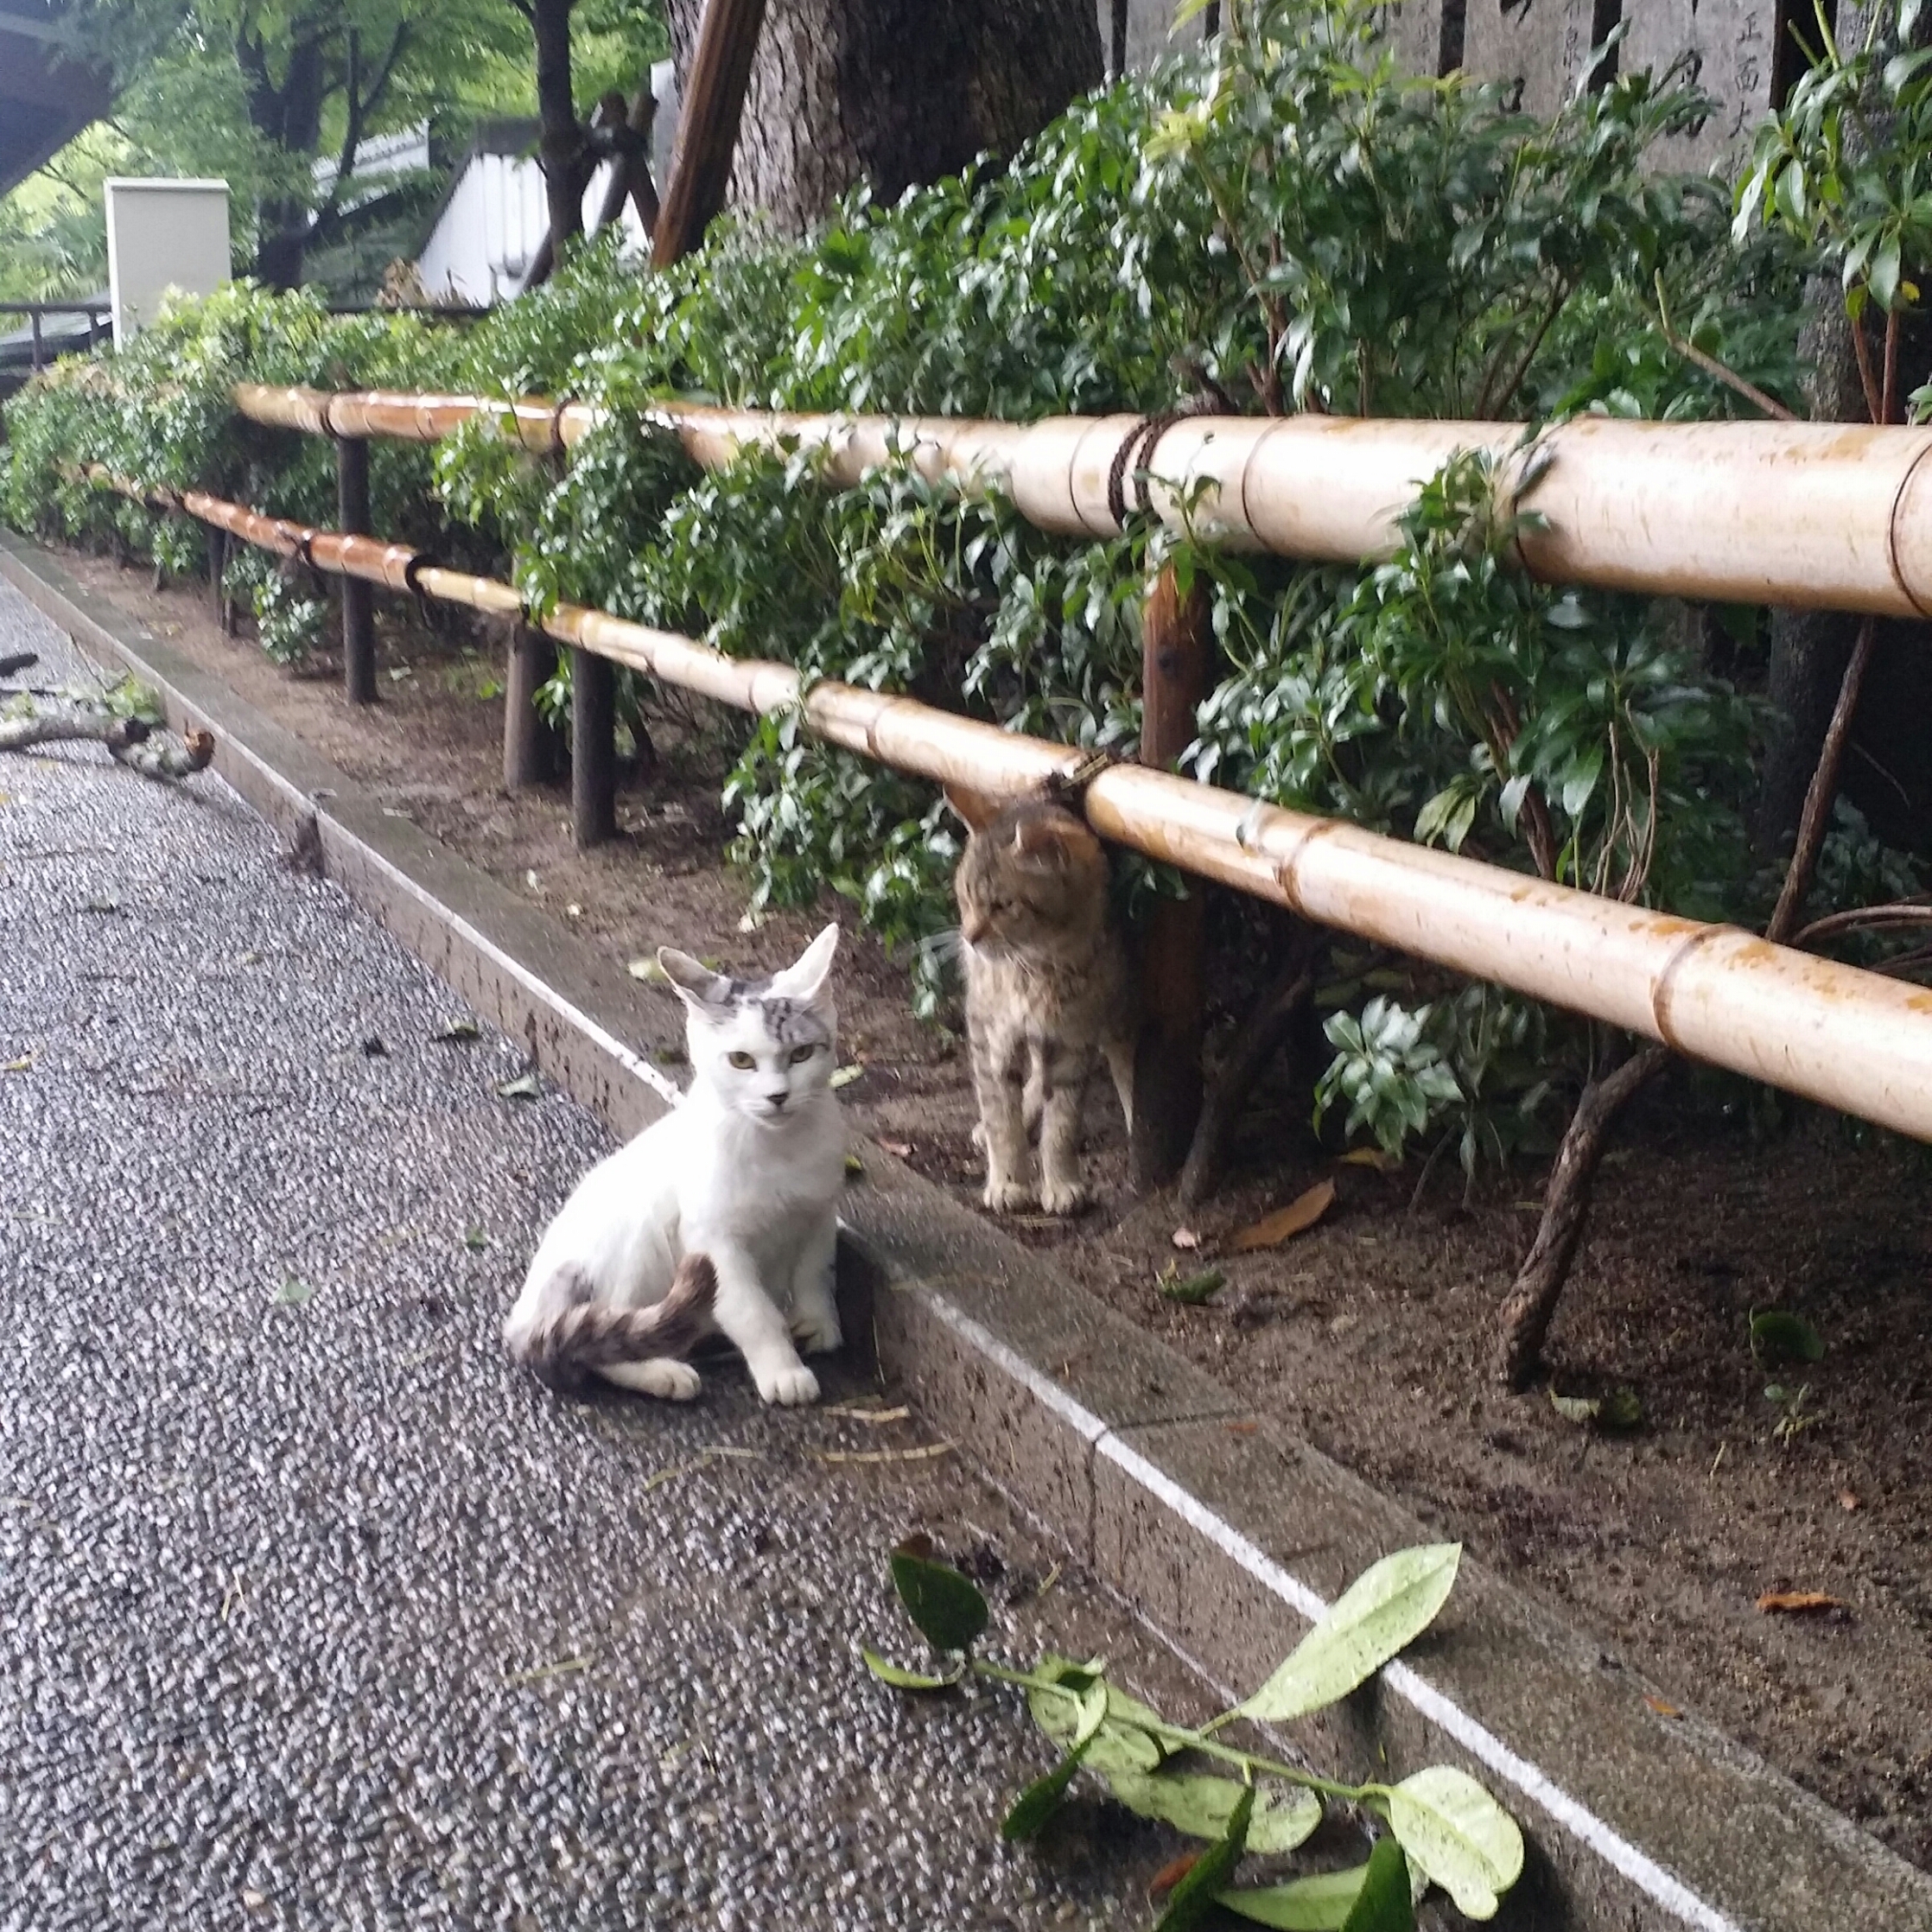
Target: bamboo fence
{"x": 1822, "y": 515}
{"x": 1834, "y": 1033}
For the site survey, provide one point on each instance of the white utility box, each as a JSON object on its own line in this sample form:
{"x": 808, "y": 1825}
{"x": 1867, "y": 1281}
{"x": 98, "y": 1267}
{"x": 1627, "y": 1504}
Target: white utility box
{"x": 163, "y": 235}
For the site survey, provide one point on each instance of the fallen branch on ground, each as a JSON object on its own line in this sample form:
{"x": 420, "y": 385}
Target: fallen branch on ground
{"x": 133, "y": 742}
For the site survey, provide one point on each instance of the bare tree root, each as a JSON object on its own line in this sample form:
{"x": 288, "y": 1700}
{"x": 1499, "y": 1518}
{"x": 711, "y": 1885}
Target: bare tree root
{"x": 1255, "y": 1047}
{"x": 1525, "y": 1316}
{"x": 134, "y": 742}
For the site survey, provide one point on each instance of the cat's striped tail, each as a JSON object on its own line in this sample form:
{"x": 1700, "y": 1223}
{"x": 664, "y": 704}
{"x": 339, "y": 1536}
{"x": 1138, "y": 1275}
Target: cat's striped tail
{"x": 568, "y": 1345}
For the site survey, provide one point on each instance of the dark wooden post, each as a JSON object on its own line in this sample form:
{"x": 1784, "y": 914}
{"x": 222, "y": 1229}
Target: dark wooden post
{"x": 707, "y": 126}
{"x": 1174, "y": 651}
{"x": 593, "y": 749}
{"x": 358, "y": 613}
{"x": 35, "y": 317}
{"x": 532, "y": 752}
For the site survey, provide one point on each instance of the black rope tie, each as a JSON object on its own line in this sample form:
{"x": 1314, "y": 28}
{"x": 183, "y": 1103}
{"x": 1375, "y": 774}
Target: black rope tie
{"x": 1135, "y": 458}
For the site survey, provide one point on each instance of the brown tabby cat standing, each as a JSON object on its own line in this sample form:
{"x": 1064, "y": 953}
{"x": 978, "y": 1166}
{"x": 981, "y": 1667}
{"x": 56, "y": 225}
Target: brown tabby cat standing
{"x": 1048, "y": 996}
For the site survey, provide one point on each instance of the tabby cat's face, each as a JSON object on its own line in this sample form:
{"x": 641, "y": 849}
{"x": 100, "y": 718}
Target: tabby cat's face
{"x": 1029, "y": 880}
{"x": 764, "y": 1048}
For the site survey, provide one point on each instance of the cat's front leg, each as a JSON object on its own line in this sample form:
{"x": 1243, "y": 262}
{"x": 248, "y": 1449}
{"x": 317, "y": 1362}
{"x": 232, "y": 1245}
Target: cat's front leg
{"x": 1062, "y": 1083}
{"x": 1002, "y": 1119}
{"x": 751, "y": 1322}
{"x": 815, "y": 1323}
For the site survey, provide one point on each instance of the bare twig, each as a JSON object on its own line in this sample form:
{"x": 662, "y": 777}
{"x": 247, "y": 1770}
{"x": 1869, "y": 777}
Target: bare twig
{"x": 1822, "y": 791}
{"x": 1716, "y": 370}
{"x": 1898, "y": 912}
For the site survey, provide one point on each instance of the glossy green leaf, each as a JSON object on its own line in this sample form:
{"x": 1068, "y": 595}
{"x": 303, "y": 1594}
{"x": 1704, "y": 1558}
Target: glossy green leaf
{"x": 1384, "y": 1903}
{"x": 1041, "y": 1799}
{"x": 1193, "y": 1898}
{"x": 1776, "y": 1335}
{"x": 947, "y": 1607}
{"x": 1284, "y": 1815}
{"x": 1117, "y": 1747}
{"x": 1387, "y": 1607}
{"x": 1320, "y": 1903}
{"x": 1457, "y": 1835}
{"x": 905, "y": 1680}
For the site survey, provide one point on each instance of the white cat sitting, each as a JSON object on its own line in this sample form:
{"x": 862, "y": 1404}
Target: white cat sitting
{"x": 747, "y": 1173}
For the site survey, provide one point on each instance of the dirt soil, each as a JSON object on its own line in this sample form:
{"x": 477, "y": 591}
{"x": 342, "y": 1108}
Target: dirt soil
{"x": 1371, "y": 1333}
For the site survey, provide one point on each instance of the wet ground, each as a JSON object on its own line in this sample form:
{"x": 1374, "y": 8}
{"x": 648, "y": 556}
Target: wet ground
{"x": 315, "y": 1611}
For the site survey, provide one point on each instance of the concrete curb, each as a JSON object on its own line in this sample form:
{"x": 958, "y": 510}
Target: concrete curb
{"x": 1227, "y": 1534}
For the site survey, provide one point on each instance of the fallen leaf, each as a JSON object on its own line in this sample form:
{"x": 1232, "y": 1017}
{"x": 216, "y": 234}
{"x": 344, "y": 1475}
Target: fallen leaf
{"x": 525, "y": 1086}
{"x": 1185, "y": 1239}
{"x": 100, "y": 905}
{"x": 855, "y": 1415}
{"x": 1172, "y": 1873}
{"x": 844, "y": 1076}
{"x": 1241, "y": 1428}
{"x": 853, "y": 1165}
{"x": 1663, "y": 1709}
{"x": 1777, "y": 1334}
{"x": 1622, "y": 1408}
{"x": 925, "y": 1453}
{"x": 1794, "y": 1603}
{"x": 374, "y": 1049}
{"x": 545, "y": 1670}
{"x": 648, "y": 972}
{"x": 293, "y": 1293}
{"x": 475, "y": 1240}
{"x": 1189, "y": 1290}
{"x": 1847, "y": 1500}
{"x": 900, "y": 1150}
{"x": 1371, "y": 1157}
{"x": 1297, "y": 1217}
{"x": 24, "y": 1064}
{"x": 458, "y": 1032}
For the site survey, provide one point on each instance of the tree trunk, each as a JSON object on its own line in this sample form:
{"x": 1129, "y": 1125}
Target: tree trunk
{"x": 289, "y": 117}
{"x": 893, "y": 92}
{"x": 561, "y": 143}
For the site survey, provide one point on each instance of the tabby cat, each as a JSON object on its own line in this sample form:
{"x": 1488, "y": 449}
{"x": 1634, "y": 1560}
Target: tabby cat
{"x": 1048, "y": 996}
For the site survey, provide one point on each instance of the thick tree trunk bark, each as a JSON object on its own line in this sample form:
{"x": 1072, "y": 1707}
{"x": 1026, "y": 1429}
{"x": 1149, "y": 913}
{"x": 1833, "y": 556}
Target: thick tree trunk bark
{"x": 893, "y": 92}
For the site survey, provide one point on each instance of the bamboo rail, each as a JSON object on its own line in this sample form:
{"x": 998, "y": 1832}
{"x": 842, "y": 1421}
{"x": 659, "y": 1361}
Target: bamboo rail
{"x": 1834, "y": 1033}
{"x": 1821, "y": 515}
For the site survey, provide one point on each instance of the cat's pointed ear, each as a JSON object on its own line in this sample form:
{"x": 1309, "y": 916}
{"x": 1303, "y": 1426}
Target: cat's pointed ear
{"x": 804, "y": 979}
{"x": 1040, "y": 840}
{"x": 694, "y": 982}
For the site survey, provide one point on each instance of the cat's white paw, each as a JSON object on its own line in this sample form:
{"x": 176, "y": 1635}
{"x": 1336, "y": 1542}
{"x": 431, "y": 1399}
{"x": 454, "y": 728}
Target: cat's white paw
{"x": 816, "y": 1331}
{"x": 1062, "y": 1197}
{"x": 669, "y": 1381}
{"x": 787, "y": 1388}
{"x": 1007, "y": 1197}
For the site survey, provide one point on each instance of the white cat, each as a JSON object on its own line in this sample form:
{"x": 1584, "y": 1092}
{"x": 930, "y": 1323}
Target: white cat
{"x": 746, "y": 1172}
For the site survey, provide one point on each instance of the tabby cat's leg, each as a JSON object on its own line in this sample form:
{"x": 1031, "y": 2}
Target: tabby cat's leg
{"x": 670, "y": 1380}
{"x": 1062, "y": 1083}
{"x": 1002, "y": 1119}
{"x": 1119, "y": 1064}
{"x": 814, "y": 1310}
{"x": 752, "y": 1323}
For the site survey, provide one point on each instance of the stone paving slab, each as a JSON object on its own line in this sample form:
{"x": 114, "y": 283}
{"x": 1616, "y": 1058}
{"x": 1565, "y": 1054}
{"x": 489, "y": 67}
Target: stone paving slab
{"x": 318, "y": 1614}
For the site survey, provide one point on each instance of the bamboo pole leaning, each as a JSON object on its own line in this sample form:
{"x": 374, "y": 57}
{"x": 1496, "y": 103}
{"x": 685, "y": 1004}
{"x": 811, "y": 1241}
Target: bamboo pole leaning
{"x": 1823, "y": 515}
{"x": 1833, "y": 1033}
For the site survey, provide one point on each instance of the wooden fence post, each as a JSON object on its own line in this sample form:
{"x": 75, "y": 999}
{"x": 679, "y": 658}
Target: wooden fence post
{"x": 1175, "y": 645}
{"x": 593, "y": 749}
{"x": 217, "y": 541}
{"x": 531, "y": 752}
{"x": 707, "y": 126}
{"x": 358, "y": 613}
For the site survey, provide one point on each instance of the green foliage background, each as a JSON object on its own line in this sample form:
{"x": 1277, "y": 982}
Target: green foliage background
{"x": 1282, "y": 222}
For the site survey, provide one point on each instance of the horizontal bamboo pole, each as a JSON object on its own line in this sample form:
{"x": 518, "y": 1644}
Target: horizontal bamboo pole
{"x": 1849, "y": 1039}
{"x": 1829, "y": 516}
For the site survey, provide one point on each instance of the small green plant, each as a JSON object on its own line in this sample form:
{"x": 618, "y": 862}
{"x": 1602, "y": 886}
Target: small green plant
{"x": 1444, "y": 1828}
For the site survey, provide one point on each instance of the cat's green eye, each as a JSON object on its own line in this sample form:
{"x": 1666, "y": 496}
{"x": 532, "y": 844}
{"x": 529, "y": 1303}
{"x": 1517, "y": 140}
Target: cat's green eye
{"x": 743, "y": 1062}
{"x": 801, "y": 1054}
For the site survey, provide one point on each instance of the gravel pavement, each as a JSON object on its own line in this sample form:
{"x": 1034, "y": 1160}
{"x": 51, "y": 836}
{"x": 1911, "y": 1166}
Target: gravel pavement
{"x": 316, "y": 1612}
